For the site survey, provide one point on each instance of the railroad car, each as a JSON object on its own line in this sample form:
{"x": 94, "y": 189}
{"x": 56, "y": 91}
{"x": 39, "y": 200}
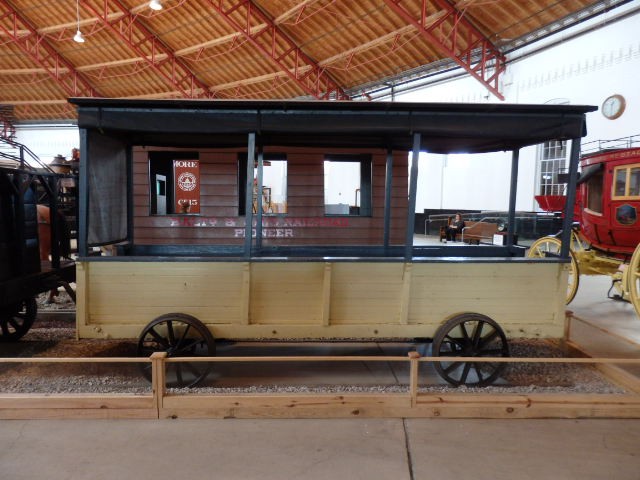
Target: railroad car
{"x": 295, "y": 220}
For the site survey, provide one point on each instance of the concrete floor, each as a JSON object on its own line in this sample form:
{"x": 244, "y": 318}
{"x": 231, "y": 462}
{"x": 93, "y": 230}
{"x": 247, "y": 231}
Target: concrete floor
{"x": 398, "y": 449}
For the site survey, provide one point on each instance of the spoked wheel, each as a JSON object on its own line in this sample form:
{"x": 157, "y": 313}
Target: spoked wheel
{"x": 17, "y": 319}
{"x": 633, "y": 280}
{"x": 549, "y": 247}
{"x": 179, "y": 335}
{"x": 470, "y": 335}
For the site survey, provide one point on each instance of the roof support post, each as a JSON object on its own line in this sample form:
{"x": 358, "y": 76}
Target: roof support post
{"x": 259, "y": 198}
{"x": 413, "y": 189}
{"x": 54, "y": 219}
{"x": 272, "y": 42}
{"x": 459, "y": 39}
{"x": 387, "y": 198}
{"x": 83, "y": 195}
{"x": 513, "y": 192}
{"x": 574, "y": 159}
{"x": 248, "y": 210}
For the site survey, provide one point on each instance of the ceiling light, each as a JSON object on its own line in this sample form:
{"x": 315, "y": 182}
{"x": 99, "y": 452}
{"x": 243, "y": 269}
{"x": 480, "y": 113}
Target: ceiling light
{"x": 155, "y": 5}
{"x": 78, "y": 36}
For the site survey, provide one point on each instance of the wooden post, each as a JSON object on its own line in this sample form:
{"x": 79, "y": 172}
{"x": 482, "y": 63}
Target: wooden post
{"x": 158, "y": 380}
{"x": 326, "y": 295}
{"x": 245, "y": 294}
{"x": 568, "y": 316}
{"x": 405, "y": 295}
{"x": 413, "y": 377}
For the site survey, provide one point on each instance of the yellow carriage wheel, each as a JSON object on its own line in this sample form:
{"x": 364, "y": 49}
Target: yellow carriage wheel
{"x": 549, "y": 247}
{"x": 633, "y": 279}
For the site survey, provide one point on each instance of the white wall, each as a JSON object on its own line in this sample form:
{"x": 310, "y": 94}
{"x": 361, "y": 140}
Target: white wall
{"x": 585, "y": 70}
{"x": 48, "y": 141}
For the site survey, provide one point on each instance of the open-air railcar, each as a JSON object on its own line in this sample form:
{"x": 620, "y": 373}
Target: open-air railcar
{"x": 200, "y": 255}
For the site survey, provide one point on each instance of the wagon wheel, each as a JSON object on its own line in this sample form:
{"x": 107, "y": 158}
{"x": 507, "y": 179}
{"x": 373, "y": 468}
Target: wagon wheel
{"x": 179, "y": 335}
{"x": 548, "y": 247}
{"x": 470, "y": 335}
{"x": 17, "y": 319}
{"x": 633, "y": 280}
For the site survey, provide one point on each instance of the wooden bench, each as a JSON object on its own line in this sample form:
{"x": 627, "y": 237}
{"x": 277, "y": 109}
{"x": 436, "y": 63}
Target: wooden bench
{"x": 476, "y": 232}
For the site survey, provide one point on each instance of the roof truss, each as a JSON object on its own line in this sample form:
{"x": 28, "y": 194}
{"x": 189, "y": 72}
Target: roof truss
{"x": 272, "y": 42}
{"x": 459, "y": 39}
{"x": 40, "y": 51}
{"x": 147, "y": 45}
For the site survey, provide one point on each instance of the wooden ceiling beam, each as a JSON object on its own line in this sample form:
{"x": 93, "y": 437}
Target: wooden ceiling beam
{"x": 272, "y": 42}
{"x": 151, "y": 49}
{"x": 36, "y": 47}
{"x": 459, "y": 39}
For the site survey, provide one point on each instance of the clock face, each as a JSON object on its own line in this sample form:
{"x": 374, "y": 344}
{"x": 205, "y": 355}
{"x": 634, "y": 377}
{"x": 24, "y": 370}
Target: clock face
{"x": 613, "y": 106}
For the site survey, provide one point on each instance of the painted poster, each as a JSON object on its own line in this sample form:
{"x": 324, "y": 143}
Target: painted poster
{"x": 186, "y": 174}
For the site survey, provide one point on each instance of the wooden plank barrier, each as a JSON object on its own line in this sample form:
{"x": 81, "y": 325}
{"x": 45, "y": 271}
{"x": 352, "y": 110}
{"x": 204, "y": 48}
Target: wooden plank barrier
{"x": 412, "y": 403}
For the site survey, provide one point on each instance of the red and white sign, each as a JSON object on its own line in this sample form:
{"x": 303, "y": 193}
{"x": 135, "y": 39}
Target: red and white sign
{"x": 186, "y": 175}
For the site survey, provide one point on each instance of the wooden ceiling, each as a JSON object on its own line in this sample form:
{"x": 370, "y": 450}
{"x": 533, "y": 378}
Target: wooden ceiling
{"x": 255, "y": 49}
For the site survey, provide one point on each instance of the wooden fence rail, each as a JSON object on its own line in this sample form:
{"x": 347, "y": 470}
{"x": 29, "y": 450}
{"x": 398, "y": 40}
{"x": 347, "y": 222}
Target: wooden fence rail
{"x": 461, "y": 403}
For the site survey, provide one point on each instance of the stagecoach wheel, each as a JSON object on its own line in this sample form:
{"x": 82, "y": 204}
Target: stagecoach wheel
{"x": 179, "y": 335}
{"x": 470, "y": 335}
{"x": 633, "y": 280}
{"x": 547, "y": 247}
{"x": 17, "y": 319}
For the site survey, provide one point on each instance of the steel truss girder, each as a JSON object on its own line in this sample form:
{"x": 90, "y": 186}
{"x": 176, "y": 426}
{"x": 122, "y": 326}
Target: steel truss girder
{"x": 147, "y": 45}
{"x": 40, "y": 51}
{"x": 456, "y": 36}
{"x": 7, "y": 128}
{"x": 263, "y": 33}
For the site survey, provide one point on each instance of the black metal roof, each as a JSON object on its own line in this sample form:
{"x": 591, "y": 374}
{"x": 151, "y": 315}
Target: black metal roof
{"x": 444, "y": 127}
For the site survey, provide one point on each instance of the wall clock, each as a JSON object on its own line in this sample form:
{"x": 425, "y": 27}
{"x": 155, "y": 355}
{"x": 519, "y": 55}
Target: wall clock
{"x": 613, "y": 106}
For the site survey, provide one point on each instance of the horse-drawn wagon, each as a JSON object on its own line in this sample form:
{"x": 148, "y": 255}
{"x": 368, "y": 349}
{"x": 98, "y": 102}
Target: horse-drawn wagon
{"x": 295, "y": 220}
{"x": 605, "y": 236}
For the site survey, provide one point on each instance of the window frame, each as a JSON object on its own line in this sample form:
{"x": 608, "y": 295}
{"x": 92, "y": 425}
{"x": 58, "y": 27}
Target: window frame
{"x": 627, "y": 183}
{"x": 366, "y": 183}
{"x": 242, "y": 181}
{"x": 164, "y": 165}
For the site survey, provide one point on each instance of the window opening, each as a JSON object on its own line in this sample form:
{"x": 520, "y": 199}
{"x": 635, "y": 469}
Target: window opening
{"x": 274, "y": 185}
{"x": 626, "y": 181}
{"x": 347, "y": 186}
{"x": 594, "y": 192}
{"x": 552, "y": 161}
{"x": 174, "y": 180}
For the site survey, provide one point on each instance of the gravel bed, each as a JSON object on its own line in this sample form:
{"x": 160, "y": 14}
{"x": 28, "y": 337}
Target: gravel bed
{"x": 54, "y": 336}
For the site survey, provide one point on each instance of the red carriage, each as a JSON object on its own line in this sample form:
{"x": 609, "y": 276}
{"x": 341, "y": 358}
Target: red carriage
{"x": 606, "y": 232}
